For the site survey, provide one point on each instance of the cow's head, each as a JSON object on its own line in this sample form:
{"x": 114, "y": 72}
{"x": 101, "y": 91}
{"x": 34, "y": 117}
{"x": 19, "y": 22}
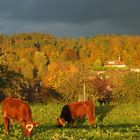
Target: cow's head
{"x": 60, "y": 122}
{"x": 28, "y": 128}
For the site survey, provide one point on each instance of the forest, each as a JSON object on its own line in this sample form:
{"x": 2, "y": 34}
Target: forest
{"x": 40, "y": 67}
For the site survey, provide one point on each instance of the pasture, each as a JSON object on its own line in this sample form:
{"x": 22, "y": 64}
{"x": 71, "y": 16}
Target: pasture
{"x": 120, "y": 122}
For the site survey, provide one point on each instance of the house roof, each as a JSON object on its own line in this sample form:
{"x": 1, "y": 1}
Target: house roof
{"x": 115, "y": 64}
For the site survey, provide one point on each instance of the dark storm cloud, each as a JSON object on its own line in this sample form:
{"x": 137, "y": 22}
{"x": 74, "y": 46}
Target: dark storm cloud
{"x": 66, "y": 17}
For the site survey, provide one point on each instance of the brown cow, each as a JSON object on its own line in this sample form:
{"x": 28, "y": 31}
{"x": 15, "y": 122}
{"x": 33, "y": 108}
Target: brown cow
{"x": 20, "y": 111}
{"x": 75, "y": 110}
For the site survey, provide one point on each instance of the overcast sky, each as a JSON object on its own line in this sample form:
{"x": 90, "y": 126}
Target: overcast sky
{"x": 70, "y": 17}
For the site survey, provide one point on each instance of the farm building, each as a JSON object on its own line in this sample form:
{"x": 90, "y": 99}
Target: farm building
{"x": 135, "y": 69}
{"x": 119, "y": 64}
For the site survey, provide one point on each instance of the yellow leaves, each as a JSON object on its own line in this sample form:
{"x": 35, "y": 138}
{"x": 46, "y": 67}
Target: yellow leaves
{"x": 39, "y": 58}
{"x": 57, "y": 73}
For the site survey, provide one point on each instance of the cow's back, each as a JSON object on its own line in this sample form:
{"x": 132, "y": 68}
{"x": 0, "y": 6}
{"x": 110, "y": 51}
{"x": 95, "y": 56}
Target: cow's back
{"x": 80, "y": 109}
{"x": 16, "y": 109}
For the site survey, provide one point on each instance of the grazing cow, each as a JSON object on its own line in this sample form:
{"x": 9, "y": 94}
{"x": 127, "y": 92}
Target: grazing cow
{"x": 75, "y": 110}
{"x": 20, "y": 111}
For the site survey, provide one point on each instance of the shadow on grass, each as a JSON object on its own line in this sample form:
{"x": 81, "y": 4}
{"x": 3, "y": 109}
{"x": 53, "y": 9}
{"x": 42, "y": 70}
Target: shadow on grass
{"x": 121, "y": 127}
{"x": 112, "y": 127}
{"x": 45, "y": 127}
{"x": 102, "y": 111}
{"x": 123, "y": 131}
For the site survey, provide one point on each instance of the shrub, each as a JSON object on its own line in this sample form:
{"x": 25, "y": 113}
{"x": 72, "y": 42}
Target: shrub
{"x": 129, "y": 90}
{"x": 10, "y": 81}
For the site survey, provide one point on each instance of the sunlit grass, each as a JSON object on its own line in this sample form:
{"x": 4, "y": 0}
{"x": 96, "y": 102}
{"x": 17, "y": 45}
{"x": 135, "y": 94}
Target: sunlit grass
{"x": 121, "y": 122}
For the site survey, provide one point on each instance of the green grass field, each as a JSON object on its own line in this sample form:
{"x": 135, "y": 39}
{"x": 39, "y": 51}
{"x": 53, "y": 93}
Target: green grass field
{"x": 120, "y": 122}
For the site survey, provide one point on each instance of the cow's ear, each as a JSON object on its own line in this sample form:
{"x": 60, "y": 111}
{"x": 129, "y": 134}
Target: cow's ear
{"x": 35, "y": 124}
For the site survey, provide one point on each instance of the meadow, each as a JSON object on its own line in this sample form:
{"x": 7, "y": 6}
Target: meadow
{"x": 113, "y": 122}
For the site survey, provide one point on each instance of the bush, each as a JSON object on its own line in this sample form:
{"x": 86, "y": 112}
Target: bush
{"x": 10, "y": 81}
{"x": 129, "y": 90}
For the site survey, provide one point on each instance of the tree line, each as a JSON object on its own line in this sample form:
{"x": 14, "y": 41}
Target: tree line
{"x": 58, "y": 66}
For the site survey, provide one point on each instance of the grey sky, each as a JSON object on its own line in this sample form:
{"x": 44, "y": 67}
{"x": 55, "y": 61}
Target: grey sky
{"x": 70, "y": 17}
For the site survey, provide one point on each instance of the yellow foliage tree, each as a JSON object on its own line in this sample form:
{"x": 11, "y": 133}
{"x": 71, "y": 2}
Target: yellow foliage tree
{"x": 57, "y": 73}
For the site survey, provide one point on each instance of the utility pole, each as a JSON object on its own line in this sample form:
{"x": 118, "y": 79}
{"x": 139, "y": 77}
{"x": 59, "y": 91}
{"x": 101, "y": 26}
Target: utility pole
{"x": 84, "y": 91}
{"x": 119, "y": 55}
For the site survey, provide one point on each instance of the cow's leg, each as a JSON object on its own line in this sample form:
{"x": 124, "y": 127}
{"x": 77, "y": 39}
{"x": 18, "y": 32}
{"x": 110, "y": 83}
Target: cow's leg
{"x": 6, "y": 124}
{"x": 74, "y": 124}
{"x": 91, "y": 119}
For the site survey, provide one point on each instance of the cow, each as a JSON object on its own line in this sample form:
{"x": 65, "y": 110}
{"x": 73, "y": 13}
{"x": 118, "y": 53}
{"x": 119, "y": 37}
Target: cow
{"x": 77, "y": 110}
{"x": 19, "y": 111}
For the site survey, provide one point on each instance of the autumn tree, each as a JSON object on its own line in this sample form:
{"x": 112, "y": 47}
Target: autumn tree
{"x": 57, "y": 73}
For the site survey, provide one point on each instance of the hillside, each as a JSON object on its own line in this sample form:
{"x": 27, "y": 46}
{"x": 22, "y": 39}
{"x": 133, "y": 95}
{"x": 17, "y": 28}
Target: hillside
{"x": 33, "y": 60}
